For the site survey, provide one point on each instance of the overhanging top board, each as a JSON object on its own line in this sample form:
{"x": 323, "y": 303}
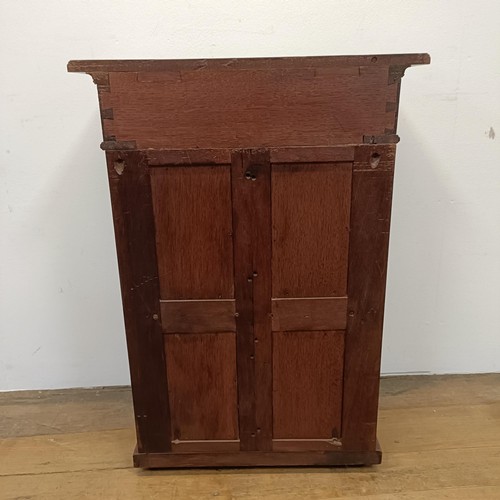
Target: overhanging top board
{"x": 240, "y": 103}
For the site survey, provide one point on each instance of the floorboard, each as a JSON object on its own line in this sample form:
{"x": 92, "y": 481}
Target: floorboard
{"x": 440, "y": 436}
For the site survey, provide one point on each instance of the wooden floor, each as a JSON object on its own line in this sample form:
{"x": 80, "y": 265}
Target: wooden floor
{"x": 440, "y": 437}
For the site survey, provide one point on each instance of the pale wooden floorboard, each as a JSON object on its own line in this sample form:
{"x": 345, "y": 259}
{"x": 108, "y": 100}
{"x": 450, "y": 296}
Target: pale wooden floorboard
{"x": 440, "y": 437}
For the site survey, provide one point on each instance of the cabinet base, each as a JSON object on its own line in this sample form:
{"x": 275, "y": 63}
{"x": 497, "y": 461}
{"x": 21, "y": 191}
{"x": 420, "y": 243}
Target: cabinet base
{"x": 257, "y": 459}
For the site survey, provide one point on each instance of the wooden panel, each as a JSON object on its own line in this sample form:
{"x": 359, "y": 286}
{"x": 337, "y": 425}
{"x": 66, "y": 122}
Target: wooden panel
{"x": 158, "y": 66}
{"x": 255, "y": 107}
{"x": 251, "y": 218}
{"x": 371, "y": 207}
{"x": 135, "y": 244}
{"x": 310, "y": 204}
{"x": 195, "y": 316}
{"x": 326, "y": 313}
{"x": 307, "y": 384}
{"x": 202, "y": 386}
{"x": 316, "y": 154}
{"x": 189, "y": 157}
{"x": 192, "y": 209}
{"x": 258, "y": 459}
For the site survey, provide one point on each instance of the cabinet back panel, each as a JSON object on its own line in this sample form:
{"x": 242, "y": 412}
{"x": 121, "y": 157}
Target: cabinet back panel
{"x": 255, "y": 107}
{"x": 307, "y": 384}
{"x": 192, "y": 210}
{"x": 202, "y": 389}
{"x": 310, "y": 227}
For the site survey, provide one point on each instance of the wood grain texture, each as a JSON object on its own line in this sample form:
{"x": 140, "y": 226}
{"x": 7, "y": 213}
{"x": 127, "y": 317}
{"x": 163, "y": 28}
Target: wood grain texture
{"x": 297, "y": 445}
{"x": 316, "y": 154}
{"x": 278, "y": 107}
{"x": 258, "y": 164}
{"x": 369, "y": 241}
{"x": 256, "y": 459}
{"x": 159, "y": 66}
{"x": 453, "y": 452}
{"x": 196, "y": 316}
{"x": 245, "y": 224}
{"x": 192, "y": 210}
{"x": 135, "y": 244}
{"x": 252, "y": 236}
{"x": 310, "y": 219}
{"x": 307, "y": 384}
{"x": 202, "y": 386}
{"x": 324, "y": 313}
{"x": 188, "y": 157}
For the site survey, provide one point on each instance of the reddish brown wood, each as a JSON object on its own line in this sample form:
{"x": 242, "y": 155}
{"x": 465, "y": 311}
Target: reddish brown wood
{"x": 315, "y": 62}
{"x": 323, "y": 313}
{"x": 251, "y": 200}
{"x": 196, "y": 316}
{"x": 252, "y": 236}
{"x": 370, "y": 222}
{"x": 257, "y": 459}
{"x": 310, "y": 210}
{"x": 193, "y": 232}
{"x": 189, "y": 157}
{"x": 307, "y": 384}
{"x": 147, "y": 112}
{"x": 243, "y": 282}
{"x": 319, "y": 154}
{"x": 202, "y": 386}
{"x": 258, "y": 164}
{"x": 135, "y": 245}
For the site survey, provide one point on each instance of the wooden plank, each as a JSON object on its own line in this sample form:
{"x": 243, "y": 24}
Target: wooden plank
{"x": 257, "y": 162}
{"x": 193, "y": 232}
{"x": 317, "y": 154}
{"x": 135, "y": 243}
{"x": 243, "y": 276}
{"x": 310, "y": 212}
{"x": 370, "y": 223}
{"x": 307, "y": 384}
{"x": 202, "y": 386}
{"x": 188, "y": 157}
{"x": 196, "y": 316}
{"x": 464, "y": 435}
{"x": 256, "y": 459}
{"x": 317, "y": 313}
{"x": 279, "y": 107}
{"x": 251, "y": 219}
{"x": 64, "y": 411}
{"x": 453, "y": 452}
{"x": 245, "y": 63}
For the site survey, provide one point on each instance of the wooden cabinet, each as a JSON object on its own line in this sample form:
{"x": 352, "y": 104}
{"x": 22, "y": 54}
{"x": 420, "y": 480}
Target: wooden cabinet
{"x": 251, "y": 203}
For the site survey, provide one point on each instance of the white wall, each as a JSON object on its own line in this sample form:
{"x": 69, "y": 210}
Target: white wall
{"x": 60, "y": 313}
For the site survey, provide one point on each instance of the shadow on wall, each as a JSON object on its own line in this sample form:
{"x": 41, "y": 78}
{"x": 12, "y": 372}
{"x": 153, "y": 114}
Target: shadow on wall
{"x": 87, "y": 338}
{"x": 414, "y": 275}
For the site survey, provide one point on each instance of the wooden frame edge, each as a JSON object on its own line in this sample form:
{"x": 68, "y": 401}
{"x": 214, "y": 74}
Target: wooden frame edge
{"x": 257, "y": 459}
